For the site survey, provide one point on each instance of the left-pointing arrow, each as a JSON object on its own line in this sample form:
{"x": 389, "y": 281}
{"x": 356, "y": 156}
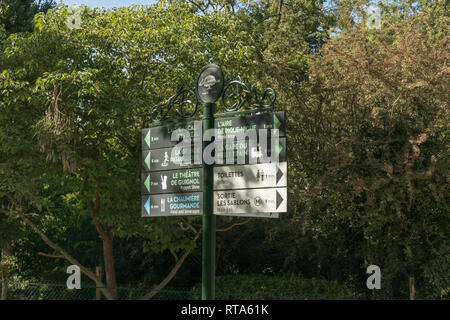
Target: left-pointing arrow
{"x": 147, "y": 138}
{"x": 147, "y": 160}
{"x": 147, "y": 183}
{"x": 147, "y": 206}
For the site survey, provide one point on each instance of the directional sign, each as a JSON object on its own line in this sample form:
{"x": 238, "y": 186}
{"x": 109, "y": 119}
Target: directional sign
{"x": 235, "y": 202}
{"x": 231, "y": 126}
{"x": 161, "y": 137}
{"x": 186, "y": 180}
{"x": 178, "y": 204}
{"x": 265, "y": 175}
{"x": 171, "y": 158}
{"x": 251, "y": 154}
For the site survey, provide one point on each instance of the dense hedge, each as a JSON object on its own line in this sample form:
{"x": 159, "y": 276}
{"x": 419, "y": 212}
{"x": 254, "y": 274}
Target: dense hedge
{"x": 259, "y": 286}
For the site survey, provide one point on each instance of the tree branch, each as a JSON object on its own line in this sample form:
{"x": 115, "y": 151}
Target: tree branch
{"x": 171, "y": 274}
{"x": 175, "y": 256}
{"x": 189, "y": 227}
{"x": 131, "y": 149}
{"x": 50, "y": 255}
{"x": 65, "y": 255}
{"x": 233, "y": 225}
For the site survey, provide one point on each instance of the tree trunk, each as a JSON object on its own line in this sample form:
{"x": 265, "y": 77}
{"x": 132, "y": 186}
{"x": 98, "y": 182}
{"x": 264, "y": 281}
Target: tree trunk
{"x": 108, "y": 256}
{"x": 109, "y": 265}
{"x": 412, "y": 289}
{"x": 99, "y": 274}
{"x": 6, "y": 252}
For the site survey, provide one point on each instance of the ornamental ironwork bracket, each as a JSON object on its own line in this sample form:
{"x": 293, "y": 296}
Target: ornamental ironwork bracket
{"x": 236, "y": 96}
{"x": 183, "y": 100}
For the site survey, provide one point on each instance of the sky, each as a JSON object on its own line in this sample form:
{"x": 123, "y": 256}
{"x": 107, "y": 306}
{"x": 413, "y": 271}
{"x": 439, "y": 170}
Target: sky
{"x": 116, "y": 3}
{"x": 106, "y": 3}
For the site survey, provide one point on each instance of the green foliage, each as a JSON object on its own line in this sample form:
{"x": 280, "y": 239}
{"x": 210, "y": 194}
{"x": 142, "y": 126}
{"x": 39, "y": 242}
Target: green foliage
{"x": 17, "y": 15}
{"x": 258, "y": 286}
{"x": 374, "y": 145}
{"x": 367, "y": 130}
{"x": 74, "y": 101}
{"x": 354, "y": 13}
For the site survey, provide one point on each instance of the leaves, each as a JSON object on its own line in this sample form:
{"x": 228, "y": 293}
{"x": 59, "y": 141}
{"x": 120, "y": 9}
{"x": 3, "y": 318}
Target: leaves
{"x": 367, "y": 125}
{"x": 366, "y": 120}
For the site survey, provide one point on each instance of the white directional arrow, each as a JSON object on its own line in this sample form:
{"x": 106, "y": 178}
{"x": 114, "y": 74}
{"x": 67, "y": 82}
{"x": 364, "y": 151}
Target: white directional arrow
{"x": 264, "y": 175}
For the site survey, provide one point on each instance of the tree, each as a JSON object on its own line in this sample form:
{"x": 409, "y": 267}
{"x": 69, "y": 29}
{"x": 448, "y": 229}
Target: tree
{"x": 373, "y": 149}
{"x": 17, "y": 15}
{"x": 77, "y": 100}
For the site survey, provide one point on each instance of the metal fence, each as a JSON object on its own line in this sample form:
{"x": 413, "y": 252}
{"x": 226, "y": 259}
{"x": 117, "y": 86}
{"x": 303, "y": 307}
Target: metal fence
{"x": 28, "y": 290}
{"x": 58, "y": 291}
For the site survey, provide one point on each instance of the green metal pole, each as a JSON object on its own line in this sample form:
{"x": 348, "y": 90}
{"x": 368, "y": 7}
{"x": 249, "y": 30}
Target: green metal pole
{"x": 209, "y": 219}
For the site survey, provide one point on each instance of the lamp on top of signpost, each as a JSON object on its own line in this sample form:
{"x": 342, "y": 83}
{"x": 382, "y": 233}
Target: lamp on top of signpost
{"x": 210, "y": 83}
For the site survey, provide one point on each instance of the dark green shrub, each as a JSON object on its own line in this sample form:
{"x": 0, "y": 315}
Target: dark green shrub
{"x": 259, "y": 286}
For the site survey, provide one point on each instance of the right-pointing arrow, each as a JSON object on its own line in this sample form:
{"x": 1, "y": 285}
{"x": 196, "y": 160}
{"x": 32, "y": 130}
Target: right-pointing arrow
{"x": 279, "y": 174}
{"x": 279, "y": 147}
{"x": 276, "y": 122}
{"x": 279, "y": 199}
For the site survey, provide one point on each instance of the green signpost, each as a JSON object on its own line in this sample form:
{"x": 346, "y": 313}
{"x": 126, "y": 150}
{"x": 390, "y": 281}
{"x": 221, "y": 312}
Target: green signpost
{"x": 209, "y": 219}
{"x": 178, "y": 182}
{"x": 209, "y": 86}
